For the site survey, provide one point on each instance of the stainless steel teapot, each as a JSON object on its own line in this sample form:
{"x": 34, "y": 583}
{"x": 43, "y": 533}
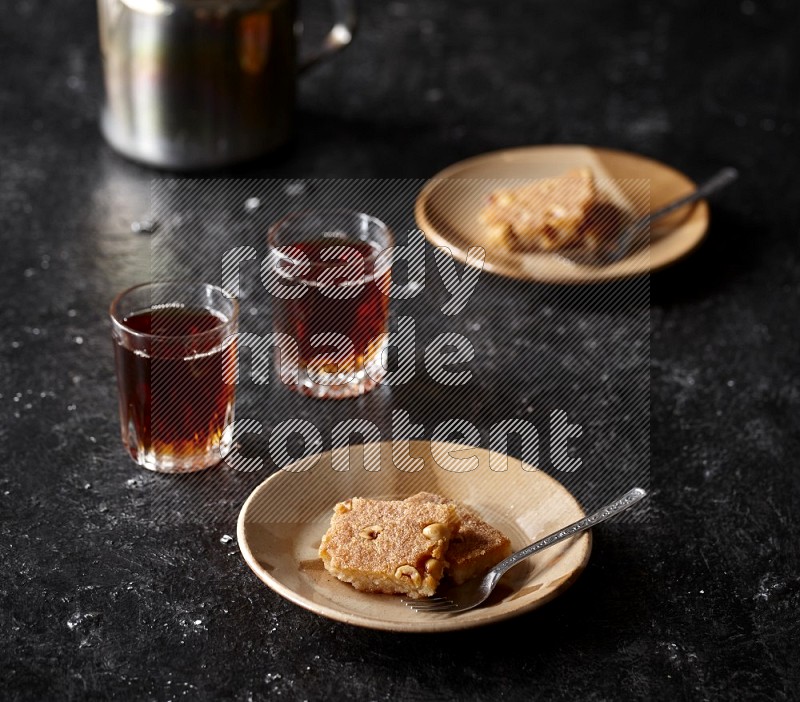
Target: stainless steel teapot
{"x": 199, "y": 84}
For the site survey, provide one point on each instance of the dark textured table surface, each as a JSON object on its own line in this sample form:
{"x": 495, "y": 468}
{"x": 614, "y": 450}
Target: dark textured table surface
{"x": 100, "y": 600}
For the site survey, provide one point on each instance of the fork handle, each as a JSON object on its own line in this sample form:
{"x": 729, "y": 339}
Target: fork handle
{"x": 716, "y": 182}
{"x": 629, "y": 498}
{"x": 709, "y": 187}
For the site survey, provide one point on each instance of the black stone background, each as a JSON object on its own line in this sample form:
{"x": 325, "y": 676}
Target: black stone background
{"x": 101, "y": 602}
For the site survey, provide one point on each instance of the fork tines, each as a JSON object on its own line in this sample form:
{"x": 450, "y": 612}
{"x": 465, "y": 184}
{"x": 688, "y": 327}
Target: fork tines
{"x": 431, "y": 604}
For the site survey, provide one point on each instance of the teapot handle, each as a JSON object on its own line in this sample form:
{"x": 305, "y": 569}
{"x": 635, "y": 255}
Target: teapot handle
{"x": 345, "y": 18}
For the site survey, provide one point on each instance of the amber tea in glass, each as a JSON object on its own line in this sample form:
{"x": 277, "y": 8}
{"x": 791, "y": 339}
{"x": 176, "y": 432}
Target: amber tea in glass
{"x": 175, "y": 354}
{"x": 330, "y": 279}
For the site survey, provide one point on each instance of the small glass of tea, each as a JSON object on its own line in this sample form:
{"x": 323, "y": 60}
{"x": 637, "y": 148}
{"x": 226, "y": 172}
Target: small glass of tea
{"x": 175, "y": 352}
{"x": 329, "y": 277}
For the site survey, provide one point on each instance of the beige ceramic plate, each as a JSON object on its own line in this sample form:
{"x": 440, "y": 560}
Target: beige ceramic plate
{"x": 448, "y": 206}
{"x": 281, "y": 523}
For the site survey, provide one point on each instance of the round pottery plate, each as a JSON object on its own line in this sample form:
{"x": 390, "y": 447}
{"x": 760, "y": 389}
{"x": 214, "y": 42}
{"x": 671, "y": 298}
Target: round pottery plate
{"x": 448, "y": 206}
{"x": 282, "y": 521}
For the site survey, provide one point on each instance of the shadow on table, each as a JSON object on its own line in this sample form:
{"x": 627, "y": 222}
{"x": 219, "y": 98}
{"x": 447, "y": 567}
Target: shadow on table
{"x": 605, "y": 616}
{"x": 730, "y": 250}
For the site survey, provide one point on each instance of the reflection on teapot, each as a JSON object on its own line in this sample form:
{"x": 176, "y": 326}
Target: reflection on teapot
{"x": 195, "y": 84}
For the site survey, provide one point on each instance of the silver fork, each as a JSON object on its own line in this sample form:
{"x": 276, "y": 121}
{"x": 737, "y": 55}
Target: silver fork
{"x": 474, "y": 592}
{"x": 639, "y": 230}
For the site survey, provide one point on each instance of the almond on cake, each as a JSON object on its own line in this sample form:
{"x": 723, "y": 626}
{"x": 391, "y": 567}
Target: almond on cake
{"x": 477, "y": 547}
{"x": 389, "y": 546}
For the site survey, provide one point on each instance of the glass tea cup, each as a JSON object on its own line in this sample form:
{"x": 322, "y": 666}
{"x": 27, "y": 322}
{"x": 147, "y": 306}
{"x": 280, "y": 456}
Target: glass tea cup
{"x": 330, "y": 277}
{"x": 175, "y": 353}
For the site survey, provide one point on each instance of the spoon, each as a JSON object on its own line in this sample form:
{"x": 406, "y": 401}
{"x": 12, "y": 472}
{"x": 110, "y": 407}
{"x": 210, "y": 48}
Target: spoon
{"x": 632, "y": 236}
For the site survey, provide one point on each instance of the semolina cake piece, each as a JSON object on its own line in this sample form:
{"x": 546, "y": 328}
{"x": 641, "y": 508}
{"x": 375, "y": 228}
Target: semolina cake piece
{"x": 475, "y": 548}
{"x": 389, "y": 546}
{"x": 544, "y": 215}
